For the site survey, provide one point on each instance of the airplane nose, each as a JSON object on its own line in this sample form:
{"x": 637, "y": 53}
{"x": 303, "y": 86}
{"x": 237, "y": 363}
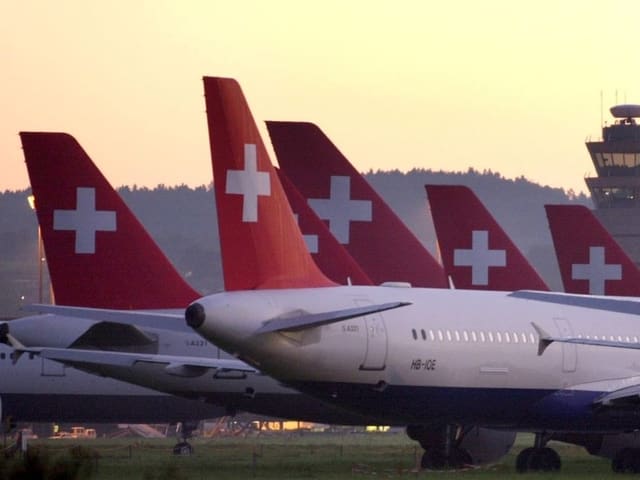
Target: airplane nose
{"x": 195, "y": 315}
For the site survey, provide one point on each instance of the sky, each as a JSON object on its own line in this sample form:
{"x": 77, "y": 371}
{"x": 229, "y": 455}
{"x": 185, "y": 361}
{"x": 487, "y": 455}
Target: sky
{"x": 514, "y": 87}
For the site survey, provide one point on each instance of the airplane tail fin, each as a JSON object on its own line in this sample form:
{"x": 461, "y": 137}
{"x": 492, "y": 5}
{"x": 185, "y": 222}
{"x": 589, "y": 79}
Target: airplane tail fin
{"x": 262, "y": 246}
{"x": 476, "y": 252}
{"x": 98, "y": 253}
{"x": 332, "y": 258}
{"x": 357, "y": 216}
{"x": 590, "y": 260}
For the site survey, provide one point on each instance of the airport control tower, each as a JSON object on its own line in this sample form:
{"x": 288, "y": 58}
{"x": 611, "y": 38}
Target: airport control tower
{"x": 616, "y": 190}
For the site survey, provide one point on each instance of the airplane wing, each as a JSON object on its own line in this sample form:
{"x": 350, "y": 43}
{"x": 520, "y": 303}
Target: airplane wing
{"x": 169, "y": 320}
{"x": 182, "y": 366}
{"x": 546, "y": 339}
{"x": 302, "y": 322}
{"x": 624, "y": 397}
{"x": 626, "y": 305}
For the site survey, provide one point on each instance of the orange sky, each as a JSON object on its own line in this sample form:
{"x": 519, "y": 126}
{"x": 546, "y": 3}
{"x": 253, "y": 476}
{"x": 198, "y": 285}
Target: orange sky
{"x": 502, "y": 85}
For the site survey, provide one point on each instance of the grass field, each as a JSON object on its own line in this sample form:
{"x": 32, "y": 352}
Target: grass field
{"x": 300, "y": 456}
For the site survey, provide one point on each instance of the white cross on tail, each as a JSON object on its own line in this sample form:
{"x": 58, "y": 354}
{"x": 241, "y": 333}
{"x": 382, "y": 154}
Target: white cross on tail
{"x": 85, "y": 220}
{"x": 597, "y": 272}
{"x": 310, "y": 239}
{"x": 339, "y": 209}
{"x": 250, "y": 183}
{"x": 479, "y": 258}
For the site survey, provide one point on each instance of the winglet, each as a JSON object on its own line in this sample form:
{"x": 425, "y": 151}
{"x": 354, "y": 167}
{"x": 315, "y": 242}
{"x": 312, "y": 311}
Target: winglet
{"x": 262, "y": 246}
{"x": 544, "y": 338}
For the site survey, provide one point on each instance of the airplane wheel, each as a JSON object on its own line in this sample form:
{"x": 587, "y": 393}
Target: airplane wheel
{"x": 626, "y": 460}
{"x": 544, "y": 460}
{"x": 434, "y": 459}
{"x": 183, "y": 448}
{"x": 538, "y": 460}
{"x": 522, "y": 460}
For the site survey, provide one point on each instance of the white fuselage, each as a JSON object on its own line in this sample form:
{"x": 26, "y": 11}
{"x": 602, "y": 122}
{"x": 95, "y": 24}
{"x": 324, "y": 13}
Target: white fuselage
{"x": 458, "y": 356}
{"x": 38, "y": 389}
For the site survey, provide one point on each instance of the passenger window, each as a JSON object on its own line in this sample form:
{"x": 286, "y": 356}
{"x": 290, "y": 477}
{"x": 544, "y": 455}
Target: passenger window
{"x": 465, "y": 335}
{"x": 490, "y": 334}
{"x": 474, "y": 337}
{"x": 498, "y": 337}
{"x": 482, "y": 337}
{"x": 415, "y": 334}
{"x": 432, "y": 337}
{"x": 456, "y": 334}
{"x": 424, "y": 334}
{"x": 448, "y": 335}
{"x": 440, "y": 336}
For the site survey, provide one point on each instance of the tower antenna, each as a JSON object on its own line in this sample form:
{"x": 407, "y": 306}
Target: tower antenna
{"x": 601, "y": 114}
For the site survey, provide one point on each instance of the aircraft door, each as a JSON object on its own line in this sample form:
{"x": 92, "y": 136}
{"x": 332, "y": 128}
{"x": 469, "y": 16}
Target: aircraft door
{"x": 376, "y": 353}
{"x": 569, "y": 351}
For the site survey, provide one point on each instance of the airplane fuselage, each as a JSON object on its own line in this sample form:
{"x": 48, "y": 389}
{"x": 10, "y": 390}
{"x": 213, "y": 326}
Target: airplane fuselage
{"x": 115, "y": 393}
{"x": 448, "y": 357}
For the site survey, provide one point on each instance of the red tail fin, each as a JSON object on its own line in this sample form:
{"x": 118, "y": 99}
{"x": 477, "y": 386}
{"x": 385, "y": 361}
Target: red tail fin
{"x": 590, "y": 260}
{"x": 261, "y": 244}
{"x": 359, "y": 219}
{"x": 476, "y": 252}
{"x": 332, "y": 258}
{"x": 98, "y": 254}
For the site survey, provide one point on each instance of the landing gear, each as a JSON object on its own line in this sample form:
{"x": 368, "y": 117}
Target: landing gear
{"x": 441, "y": 447}
{"x": 439, "y": 459}
{"x": 184, "y": 431}
{"x": 183, "y": 448}
{"x": 538, "y": 458}
{"x": 626, "y": 460}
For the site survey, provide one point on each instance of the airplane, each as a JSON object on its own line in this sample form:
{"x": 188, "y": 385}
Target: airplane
{"x": 36, "y": 389}
{"x": 156, "y": 350}
{"x": 170, "y": 372}
{"x": 476, "y": 252}
{"x": 590, "y": 260}
{"x": 422, "y": 357}
{"x": 356, "y": 215}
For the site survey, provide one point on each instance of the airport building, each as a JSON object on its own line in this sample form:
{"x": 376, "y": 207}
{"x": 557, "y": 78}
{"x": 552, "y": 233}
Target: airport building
{"x": 615, "y": 190}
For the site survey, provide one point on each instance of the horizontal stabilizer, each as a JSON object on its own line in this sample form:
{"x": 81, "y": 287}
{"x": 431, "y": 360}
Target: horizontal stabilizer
{"x": 183, "y": 366}
{"x": 168, "y": 320}
{"x": 302, "y": 322}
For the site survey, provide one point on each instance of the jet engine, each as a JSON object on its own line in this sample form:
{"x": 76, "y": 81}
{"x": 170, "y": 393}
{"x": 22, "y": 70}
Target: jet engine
{"x": 452, "y": 446}
{"x": 485, "y": 445}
